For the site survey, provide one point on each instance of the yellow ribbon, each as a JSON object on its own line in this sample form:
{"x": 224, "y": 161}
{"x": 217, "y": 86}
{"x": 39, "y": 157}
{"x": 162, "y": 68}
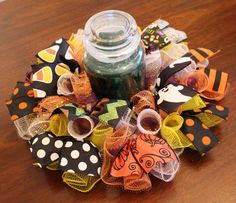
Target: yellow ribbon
{"x": 194, "y": 103}
{"x": 100, "y": 132}
{"x": 80, "y": 182}
{"x": 170, "y": 131}
{"x": 58, "y": 125}
{"x": 209, "y": 120}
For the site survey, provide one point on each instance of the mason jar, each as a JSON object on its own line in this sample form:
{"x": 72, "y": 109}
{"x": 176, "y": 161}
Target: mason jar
{"x": 114, "y": 57}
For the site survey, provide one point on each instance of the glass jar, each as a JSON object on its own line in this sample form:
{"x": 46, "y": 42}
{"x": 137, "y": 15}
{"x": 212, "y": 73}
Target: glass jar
{"x": 114, "y": 57}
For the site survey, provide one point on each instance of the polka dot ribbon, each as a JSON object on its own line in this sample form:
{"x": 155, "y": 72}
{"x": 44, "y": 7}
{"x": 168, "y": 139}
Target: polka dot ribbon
{"x": 72, "y": 156}
{"x": 22, "y": 101}
{"x": 195, "y": 126}
{"x": 199, "y": 134}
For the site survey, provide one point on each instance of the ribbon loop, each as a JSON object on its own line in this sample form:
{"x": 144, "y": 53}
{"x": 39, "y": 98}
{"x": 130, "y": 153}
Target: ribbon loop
{"x": 199, "y": 134}
{"x": 144, "y": 154}
{"x": 170, "y": 131}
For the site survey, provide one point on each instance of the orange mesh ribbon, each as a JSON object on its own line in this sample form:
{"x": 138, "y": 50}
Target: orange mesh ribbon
{"x": 112, "y": 145}
{"x": 81, "y": 84}
{"x": 143, "y": 100}
{"x": 50, "y": 104}
{"x": 83, "y": 94}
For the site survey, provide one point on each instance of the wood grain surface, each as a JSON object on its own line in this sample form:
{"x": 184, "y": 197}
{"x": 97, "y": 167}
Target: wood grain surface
{"x": 27, "y": 26}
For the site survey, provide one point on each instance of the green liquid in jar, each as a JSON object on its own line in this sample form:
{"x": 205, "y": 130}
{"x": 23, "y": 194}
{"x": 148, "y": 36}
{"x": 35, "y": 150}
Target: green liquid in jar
{"x": 118, "y": 80}
{"x": 114, "y": 58}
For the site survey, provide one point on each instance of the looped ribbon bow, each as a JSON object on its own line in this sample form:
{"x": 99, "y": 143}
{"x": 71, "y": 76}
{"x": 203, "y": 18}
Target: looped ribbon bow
{"x": 52, "y": 63}
{"x": 128, "y": 159}
{"x": 80, "y": 161}
{"x": 191, "y": 128}
{"x": 21, "y": 107}
{"x": 144, "y": 154}
{"x": 217, "y": 85}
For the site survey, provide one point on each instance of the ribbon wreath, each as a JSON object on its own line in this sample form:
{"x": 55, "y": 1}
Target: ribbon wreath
{"x": 123, "y": 155}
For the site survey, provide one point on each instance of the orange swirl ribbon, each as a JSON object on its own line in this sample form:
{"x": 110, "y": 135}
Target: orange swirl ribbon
{"x": 141, "y": 155}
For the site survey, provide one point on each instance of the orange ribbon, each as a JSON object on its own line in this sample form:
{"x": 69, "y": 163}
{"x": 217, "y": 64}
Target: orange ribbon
{"x": 143, "y": 100}
{"x": 142, "y": 154}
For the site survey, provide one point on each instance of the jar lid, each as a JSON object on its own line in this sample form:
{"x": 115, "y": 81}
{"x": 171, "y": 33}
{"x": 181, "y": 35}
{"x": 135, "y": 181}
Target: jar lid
{"x": 111, "y": 34}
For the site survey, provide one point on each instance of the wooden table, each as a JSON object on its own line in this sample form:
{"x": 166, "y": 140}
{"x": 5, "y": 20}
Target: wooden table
{"x": 29, "y": 26}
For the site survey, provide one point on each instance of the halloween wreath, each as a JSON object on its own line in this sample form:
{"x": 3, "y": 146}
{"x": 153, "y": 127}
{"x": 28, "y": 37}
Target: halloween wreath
{"x": 120, "y": 142}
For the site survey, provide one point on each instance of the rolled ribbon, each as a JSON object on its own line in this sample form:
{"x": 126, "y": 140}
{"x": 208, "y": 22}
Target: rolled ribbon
{"x": 80, "y": 182}
{"x": 196, "y": 80}
{"x": 174, "y": 67}
{"x": 76, "y": 44}
{"x": 81, "y": 84}
{"x": 22, "y": 125}
{"x": 49, "y": 104}
{"x": 181, "y": 74}
{"x": 153, "y": 67}
{"x": 81, "y": 127}
{"x": 203, "y": 64}
{"x": 58, "y": 125}
{"x": 112, "y": 145}
{"x": 194, "y": 103}
{"x": 166, "y": 172}
{"x": 170, "y": 131}
{"x": 38, "y": 126}
{"x": 175, "y": 36}
{"x": 143, "y": 100}
{"x": 218, "y": 84}
{"x": 173, "y": 52}
{"x": 145, "y": 154}
{"x": 64, "y": 85}
{"x": 149, "y": 122}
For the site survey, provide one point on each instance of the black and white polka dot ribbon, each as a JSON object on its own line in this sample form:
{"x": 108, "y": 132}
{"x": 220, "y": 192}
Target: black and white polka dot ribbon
{"x": 80, "y": 157}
